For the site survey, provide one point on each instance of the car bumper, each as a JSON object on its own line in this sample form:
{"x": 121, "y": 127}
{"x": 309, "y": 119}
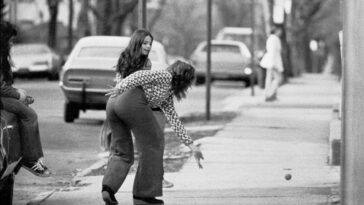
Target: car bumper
{"x": 224, "y": 75}
{"x": 32, "y": 69}
{"x": 85, "y": 98}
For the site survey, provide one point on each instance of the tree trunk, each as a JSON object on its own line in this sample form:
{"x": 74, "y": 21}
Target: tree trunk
{"x": 299, "y": 38}
{"x": 307, "y": 51}
{"x": 286, "y": 58}
{"x": 103, "y": 22}
{"x": 156, "y": 15}
{"x": 52, "y": 29}
{"x": 84, "y": 28}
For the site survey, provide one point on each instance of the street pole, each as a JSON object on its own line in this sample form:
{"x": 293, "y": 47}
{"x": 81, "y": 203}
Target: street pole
{"x": 352, "y": 164}
{"x": 70, "y": 25}
{"x": 15, "y": 12}
{"x": 208, "y": 62}
{"x": 252, "y": 81}
{"x": 142, "y": 14}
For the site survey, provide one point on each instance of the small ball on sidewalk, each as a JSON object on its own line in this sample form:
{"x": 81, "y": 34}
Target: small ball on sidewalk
{"x": 288, "y": 177}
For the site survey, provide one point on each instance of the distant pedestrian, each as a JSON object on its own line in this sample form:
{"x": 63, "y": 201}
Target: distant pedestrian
{"x": 128, "y": 110}
{"x": 17, "y": 101}
{"x": 273, "y": 63}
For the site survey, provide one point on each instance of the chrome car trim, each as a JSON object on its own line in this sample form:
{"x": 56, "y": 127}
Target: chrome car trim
{"x": 93, "y": 90}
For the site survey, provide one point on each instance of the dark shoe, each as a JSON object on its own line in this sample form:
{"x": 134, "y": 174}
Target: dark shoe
{"x": 147, "y": 200}
{"x": 108, "y": 199}
{"x": 271, "y": 99}
{"x": 37, "y": 168}
{"x": 167, "y": 184}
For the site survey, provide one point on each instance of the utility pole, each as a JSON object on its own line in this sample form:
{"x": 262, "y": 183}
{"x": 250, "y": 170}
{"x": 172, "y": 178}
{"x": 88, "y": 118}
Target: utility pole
{"x": 70, "y": 25}
{"x": 208, "y": 60}
{"x": 252, "y": 22}
{"x": 13, "y": 11}
{"x": 352, "y": 163}
{"x": 142, "y": 14}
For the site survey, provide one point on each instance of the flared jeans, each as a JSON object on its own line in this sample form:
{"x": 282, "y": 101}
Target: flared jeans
{"x": 31, "y": 146}
{"x": 126, "y": 113}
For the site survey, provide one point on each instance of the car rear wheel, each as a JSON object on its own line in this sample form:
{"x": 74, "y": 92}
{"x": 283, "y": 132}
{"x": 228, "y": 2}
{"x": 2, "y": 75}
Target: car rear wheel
{"x": 246, "y": 82}
{"x": 200, "y": 80}
{"x": 53, "y": 75}
{"x": 71, "y": 112}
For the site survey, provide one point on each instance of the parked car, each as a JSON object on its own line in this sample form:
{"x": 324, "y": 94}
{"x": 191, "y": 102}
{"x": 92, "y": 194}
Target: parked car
{"x": 90, "y": 71}
{"x": 244, "y": 34}
{"x": 35, "y": 58}
{"x": 230, "y": 60}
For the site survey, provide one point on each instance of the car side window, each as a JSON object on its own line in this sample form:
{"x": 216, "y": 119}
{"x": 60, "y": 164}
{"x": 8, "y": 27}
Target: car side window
{"x": 223, "y": 49}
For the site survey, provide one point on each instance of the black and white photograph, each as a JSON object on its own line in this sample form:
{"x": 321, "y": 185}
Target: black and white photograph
{"x": 182, "y": 102}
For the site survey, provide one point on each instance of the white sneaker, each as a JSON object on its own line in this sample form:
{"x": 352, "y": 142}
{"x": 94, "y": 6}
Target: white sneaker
{"x": 167, "y": 184}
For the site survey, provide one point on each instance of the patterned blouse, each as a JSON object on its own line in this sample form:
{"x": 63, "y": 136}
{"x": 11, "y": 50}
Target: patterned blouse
{"x": 157, "y": 88}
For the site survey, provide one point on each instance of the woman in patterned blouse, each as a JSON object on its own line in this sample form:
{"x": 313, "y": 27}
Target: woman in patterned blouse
{"x": 129, "y": 109}
{"x": 134, "y": 58}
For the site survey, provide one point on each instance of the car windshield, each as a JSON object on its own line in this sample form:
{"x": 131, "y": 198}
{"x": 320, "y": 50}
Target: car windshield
{"x": 223, "y": 49}
{"x": 29, "y": 49}
{"x": 108, "y": 52}
{"x": 238, "y": 37}
{"x": 100, "y": 52}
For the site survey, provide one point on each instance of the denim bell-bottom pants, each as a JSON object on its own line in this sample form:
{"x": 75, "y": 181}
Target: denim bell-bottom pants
{"x": 31, "y": 146}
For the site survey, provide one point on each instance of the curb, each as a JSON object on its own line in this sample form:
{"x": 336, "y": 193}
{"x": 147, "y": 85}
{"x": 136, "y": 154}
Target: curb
{"x": 198, "y": 128}
{"x": 97, "y": 165}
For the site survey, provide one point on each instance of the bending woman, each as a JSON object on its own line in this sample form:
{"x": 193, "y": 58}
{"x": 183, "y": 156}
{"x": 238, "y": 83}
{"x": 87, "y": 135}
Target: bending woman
{"x": 129, "y": 110}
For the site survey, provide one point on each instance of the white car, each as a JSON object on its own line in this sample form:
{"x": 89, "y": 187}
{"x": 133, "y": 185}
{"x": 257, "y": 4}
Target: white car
{"x": 35, "y": 58}
{"x": 230, "y": 60}
{"x": 244, "y": 34}
{"x": 90, "y": 70}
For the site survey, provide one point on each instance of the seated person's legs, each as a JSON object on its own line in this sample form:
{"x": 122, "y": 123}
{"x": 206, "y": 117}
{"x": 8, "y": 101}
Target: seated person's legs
{"x": 29, "y": 133}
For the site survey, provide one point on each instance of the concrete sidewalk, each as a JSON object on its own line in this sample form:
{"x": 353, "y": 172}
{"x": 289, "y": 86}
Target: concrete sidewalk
{"x": 246, "y": 162}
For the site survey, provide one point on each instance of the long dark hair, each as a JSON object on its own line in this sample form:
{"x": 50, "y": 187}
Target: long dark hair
{"x": 183, "y": 75}
{"x": 7, "y": 31}
{"x": 132, "y": 59}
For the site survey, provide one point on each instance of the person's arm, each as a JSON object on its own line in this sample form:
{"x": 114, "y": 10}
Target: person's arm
{"x": 274, "y": 45}
{"x": 176, "y": 124}
{"x": 140, "y": 78}
{"x": 148, "y": 65}
{"x": 178, "y": 127}
{"x": 9, "y": 91}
